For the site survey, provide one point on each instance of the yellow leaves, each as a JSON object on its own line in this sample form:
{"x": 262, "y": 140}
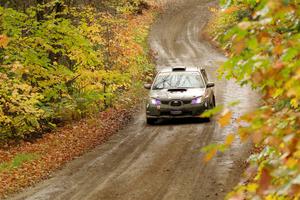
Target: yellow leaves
{"x": 278, "y": 50}
{"x": 297, "y": 74}
{"x": 292, "y": 162}
{"x": 294, "y": 103}
{"x": 278, "y": 92}
{"x": 252, "y": 187}
{"x": 4, "y": 40}
{"x": 229, "y": 139}
{"x": 213, "y": 9}
{"x": 297, "y": 154}
{"x": 273, "y": 197}
{"x": 224, "y": 120}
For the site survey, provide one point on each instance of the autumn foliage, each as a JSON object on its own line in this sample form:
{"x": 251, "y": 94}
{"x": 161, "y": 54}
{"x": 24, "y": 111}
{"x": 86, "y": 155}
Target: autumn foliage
{"x": 63, "y": 66}
{"x": 60, "y": 62}
{"x": 264, "y": 51}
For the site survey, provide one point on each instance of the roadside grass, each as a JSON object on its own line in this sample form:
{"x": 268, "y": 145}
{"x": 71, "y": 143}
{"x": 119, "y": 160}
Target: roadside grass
{"x": 18, "y": 161}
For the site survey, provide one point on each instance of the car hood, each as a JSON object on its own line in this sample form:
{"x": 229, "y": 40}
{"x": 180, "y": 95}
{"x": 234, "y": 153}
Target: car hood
{"x": 167, "y": 95}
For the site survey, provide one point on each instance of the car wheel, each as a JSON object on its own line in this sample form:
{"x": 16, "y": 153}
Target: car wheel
{"x": 214, "y": 102}
{"x": 151, "y": 121}
{"x": 211, "y": 103}
{"x": 206, "y": 119}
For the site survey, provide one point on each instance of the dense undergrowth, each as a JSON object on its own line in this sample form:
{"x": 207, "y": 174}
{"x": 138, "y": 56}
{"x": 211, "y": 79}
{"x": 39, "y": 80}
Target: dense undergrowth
{"x": 263, "y": 41}
{"x": 61, "y": 61}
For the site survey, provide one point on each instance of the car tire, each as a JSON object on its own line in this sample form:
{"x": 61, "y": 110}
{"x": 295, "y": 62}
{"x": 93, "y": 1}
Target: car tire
{"x": 150, "y": 121}
{"x": 214, "y": 102}
{"x": 206, "y": 119}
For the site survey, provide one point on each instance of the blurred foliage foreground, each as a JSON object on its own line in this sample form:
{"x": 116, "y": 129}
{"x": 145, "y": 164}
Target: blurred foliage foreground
{"x": 61, "y": 62}
{"x": 263, "y": 42}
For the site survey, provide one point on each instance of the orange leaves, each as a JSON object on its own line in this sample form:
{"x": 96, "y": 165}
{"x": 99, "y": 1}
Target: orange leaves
{"x": 239, "y": 46}
{"x": 265, "y": 181}
{"x": 231, "y": 9}
{"x": 3, "y": 41}
{"x": 275, "y": 4}
{"x": 55, "y": 149}
{"x": 263, "y": 37}
{"x": 273, "y": 141}
{"x": 278, "y": 65}
{"x": 225, "y": 119}
{"x": 257, "y": 137}
{"x": 208, "y": 156}
{"x": 257, "y": 77}
{"x": 278, "y": 49}
{"x": 212, "y": 150}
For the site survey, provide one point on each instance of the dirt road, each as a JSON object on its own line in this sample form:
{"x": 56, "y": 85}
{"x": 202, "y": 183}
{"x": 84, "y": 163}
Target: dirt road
{"x": 161, "y": 162}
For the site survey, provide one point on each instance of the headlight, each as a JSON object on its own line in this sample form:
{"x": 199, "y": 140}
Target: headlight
{"x": 197, "y": 100}
{"x": 155, "y": 101}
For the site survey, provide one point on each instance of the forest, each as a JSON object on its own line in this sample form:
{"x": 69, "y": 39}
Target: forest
{"x": 64, "y": 60}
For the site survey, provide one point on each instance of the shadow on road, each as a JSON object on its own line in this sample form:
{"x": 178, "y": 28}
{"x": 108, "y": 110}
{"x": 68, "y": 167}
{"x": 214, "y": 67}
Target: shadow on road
{"x": 165, "y": 122}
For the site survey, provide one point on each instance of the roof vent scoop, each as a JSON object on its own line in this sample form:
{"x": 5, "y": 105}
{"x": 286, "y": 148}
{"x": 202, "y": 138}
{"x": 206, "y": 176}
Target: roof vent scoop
{"x": 179, "y": 68}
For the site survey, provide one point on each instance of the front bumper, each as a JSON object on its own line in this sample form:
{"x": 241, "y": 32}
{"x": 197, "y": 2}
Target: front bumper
{"x": 166, "y": 111}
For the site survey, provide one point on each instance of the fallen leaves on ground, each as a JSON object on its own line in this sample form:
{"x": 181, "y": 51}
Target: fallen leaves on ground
{"x": 57, "y": 148}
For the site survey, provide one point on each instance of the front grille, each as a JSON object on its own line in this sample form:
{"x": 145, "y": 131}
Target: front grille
{"x": 167, "y": 102}
{"x": 182, "y": 114}
{"x": 187, "y": 101}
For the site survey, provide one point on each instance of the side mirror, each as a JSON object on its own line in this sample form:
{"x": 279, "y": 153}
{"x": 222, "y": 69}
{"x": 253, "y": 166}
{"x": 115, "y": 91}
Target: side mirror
{"x": 210, "y": 85}
{"x": 147, "y": 86}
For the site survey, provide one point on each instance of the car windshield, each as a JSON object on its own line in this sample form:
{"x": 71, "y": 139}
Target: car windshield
{"x": 175, "y": 80}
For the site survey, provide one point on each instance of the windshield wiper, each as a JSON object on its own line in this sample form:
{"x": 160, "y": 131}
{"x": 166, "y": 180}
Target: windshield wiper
{"x": 161, "y": 82}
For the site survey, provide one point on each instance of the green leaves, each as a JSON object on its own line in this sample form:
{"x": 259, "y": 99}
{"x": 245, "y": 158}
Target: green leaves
{"x": 289, "y": 54}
